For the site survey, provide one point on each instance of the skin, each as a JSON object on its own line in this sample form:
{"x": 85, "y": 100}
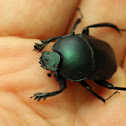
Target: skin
{"x": 22, "y": 24}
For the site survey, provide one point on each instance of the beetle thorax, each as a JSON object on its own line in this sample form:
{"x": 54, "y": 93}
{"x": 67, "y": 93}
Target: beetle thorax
{"x": 50, "y": 60}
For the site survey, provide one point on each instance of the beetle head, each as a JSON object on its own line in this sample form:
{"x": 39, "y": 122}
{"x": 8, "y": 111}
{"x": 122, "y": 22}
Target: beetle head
{"x": 50, "y": 60}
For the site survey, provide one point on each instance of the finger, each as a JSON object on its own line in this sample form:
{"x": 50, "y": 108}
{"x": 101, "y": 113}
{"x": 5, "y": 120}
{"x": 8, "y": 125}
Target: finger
{"x": 35, "y": 19}
{"x": 19, "y": 65}
{"x": 124, "y": 63}
{"x": 14, "y": 52}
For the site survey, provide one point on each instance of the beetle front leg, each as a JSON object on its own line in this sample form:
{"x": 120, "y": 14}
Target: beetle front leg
{"x": 40, "y": 47}
{"x": 77, "y": 22}
{"x": 62, "y": 82}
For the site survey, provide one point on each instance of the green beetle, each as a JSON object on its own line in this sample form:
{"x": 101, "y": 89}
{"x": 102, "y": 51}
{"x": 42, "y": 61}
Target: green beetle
{"x": 77, "y": 57}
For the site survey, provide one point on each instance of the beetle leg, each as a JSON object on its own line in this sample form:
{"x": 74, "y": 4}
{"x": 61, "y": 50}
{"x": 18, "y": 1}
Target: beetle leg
{"x": 75, "y": 25}
{"x": 83, "y": 83}
{"x": 86, "y": 29}
{"x": 77, "y": 22}
{"x": 40, "y": 47}
{"x": 50, "y": 39}
{"x": 62, "y": 82}
{"x": 108, "y": 85}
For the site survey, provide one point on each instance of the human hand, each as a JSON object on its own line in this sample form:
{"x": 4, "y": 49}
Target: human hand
{"x": 25, "y": 22}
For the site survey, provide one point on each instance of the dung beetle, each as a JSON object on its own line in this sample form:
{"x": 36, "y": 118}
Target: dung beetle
{"x": 78, "y": 57}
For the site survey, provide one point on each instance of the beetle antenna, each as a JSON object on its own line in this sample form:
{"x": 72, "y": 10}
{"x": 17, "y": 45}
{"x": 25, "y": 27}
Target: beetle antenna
{"x": 49, "y": 74}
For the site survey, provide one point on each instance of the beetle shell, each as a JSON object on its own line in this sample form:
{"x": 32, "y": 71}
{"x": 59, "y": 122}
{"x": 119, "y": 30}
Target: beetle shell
{"x": 85, "y": 57}
{"x": 76, "y": 65}
{"x": 104, "y": 61}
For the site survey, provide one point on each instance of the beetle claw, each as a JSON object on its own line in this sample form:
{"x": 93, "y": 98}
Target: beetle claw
{"x": 39, "y": 96}
{"x": 44, "y": 98}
